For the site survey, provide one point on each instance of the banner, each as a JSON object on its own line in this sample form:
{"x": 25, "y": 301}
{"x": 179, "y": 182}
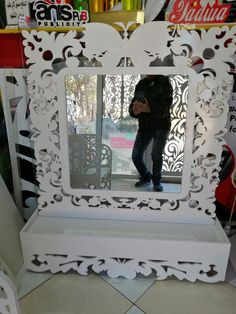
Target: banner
{"x": 230, "y": 137}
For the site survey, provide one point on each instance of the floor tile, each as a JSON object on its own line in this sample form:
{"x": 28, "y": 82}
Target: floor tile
{"x": 135, "y": 310}
{"x": 28, "y": 281}
{"x": 128, "y": 185}
{"x": 133, "y": 288}
{"x": 231, "y": 274}
{"x": 182, "y": 297}
{"x": 74, "y": 294}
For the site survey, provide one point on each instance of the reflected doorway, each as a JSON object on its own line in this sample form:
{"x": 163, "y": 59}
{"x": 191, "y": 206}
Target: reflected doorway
{"x": 101, "y": 132}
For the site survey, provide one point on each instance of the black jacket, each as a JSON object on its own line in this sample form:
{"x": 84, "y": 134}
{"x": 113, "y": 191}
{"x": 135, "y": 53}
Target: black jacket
{"x": 159, "y": 94}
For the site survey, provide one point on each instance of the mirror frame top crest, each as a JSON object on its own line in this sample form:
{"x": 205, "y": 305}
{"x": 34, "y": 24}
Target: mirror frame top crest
{"x": 100, "y": 49}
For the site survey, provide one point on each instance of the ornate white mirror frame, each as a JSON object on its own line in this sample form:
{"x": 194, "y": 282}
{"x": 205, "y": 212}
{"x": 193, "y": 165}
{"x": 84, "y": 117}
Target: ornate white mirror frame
{"x": 52, "y": 56}
{"x": 121, "y": 204}
{"x": 100, "y": 49}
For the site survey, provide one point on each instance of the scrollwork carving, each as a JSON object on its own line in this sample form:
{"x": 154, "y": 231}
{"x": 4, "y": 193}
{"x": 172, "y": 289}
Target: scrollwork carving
{"x": 49, "y": 54}
{"x": 128, "y": 268}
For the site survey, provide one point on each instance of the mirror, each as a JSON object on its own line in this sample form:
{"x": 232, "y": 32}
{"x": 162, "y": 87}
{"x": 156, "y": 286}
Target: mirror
{"x": 53, "y": 57}
{"x": 80, "y": 211}
{"x": 101, "y": 133}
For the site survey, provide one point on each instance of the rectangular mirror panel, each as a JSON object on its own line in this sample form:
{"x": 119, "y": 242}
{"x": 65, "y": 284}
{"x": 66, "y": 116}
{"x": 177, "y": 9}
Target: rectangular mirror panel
{"x": 101, "y": 132}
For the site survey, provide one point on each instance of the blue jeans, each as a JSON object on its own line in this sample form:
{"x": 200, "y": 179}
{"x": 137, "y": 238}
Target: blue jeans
{"x": 142, "y": 140}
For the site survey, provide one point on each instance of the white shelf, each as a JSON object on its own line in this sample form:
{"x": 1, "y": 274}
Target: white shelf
{"x": 190, "y": 251}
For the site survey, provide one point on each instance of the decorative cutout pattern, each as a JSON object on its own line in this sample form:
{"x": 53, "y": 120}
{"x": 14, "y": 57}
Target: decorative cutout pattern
{"x": 88, "y": 168}
{"x": 22, "y": 152}
{"x": 126, "y": 267}
{"x": 173, "y": 156}
{"x": 8, "y": 296}
{"x": 116, "y": 107}
{"x": 48, "y": 54}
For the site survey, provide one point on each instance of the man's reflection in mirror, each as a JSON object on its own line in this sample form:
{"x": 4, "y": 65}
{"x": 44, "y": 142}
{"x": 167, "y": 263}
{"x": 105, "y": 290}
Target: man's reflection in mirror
{"x": 151, "y": 104}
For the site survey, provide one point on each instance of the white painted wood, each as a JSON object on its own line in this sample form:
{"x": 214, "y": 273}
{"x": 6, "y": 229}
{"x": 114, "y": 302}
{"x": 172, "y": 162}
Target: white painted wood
{"x": 7, "y": 271}
{"x": 125, "y": 233}
{"x": 8, "y": 296}
{"x": 126, "y": 248}
{"x": 11, "y": 138}
{"x": 209, "y": 89}
{"x": 15, "y": 106}
{"x": 152, "y": 9}
{"x": 11, "y": 223}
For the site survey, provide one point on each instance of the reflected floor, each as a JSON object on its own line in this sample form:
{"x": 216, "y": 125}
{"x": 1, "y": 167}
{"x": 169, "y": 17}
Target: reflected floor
{"x": 128, "y": 185}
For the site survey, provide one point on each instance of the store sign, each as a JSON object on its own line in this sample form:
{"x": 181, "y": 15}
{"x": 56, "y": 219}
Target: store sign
{"x": 50, "y": 13}
{"x": 199, "y": 12}
{"x": 231, "y": 123}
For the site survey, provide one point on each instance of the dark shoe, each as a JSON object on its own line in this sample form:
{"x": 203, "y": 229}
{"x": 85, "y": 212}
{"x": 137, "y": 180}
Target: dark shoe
{"x": 158, "y": 187}
{"x": 142, "y": 182}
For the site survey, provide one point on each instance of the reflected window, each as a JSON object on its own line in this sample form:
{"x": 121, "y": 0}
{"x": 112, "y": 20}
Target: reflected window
{"x": 118, "y": 128}
{"x": 81, "y": 98}
{"x": 102, "y": 133}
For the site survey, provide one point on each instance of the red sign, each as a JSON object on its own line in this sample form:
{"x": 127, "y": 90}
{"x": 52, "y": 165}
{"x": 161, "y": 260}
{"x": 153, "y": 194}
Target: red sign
{"x": 121, "y": 142}
{"x": 199, "y": 12}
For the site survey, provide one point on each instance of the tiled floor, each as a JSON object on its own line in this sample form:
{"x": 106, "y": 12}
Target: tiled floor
{"x": 128, "y": 185}
{"x": 97, "y": 294}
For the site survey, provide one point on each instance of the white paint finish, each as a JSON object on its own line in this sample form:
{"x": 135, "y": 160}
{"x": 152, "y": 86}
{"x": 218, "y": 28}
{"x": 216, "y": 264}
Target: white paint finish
{"x": 10, "y": 225}
{"x": 206, "y": 116}
{"x": 11, "y": 133}
{"x": 197, "y": 250}
{"x": 132, "y": 229}
{"x": 125, "y": 248}
{"x": 6, "y": 270}
{"x": 8, "y": 296}
{"x": 152, "y": 9}
{"x": 15, "y": 105}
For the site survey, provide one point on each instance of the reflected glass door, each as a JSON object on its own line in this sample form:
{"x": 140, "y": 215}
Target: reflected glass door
{"x": 101, "y": 132}
{"x": 118, "y": 128}
{"x": 90, "y": 160}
